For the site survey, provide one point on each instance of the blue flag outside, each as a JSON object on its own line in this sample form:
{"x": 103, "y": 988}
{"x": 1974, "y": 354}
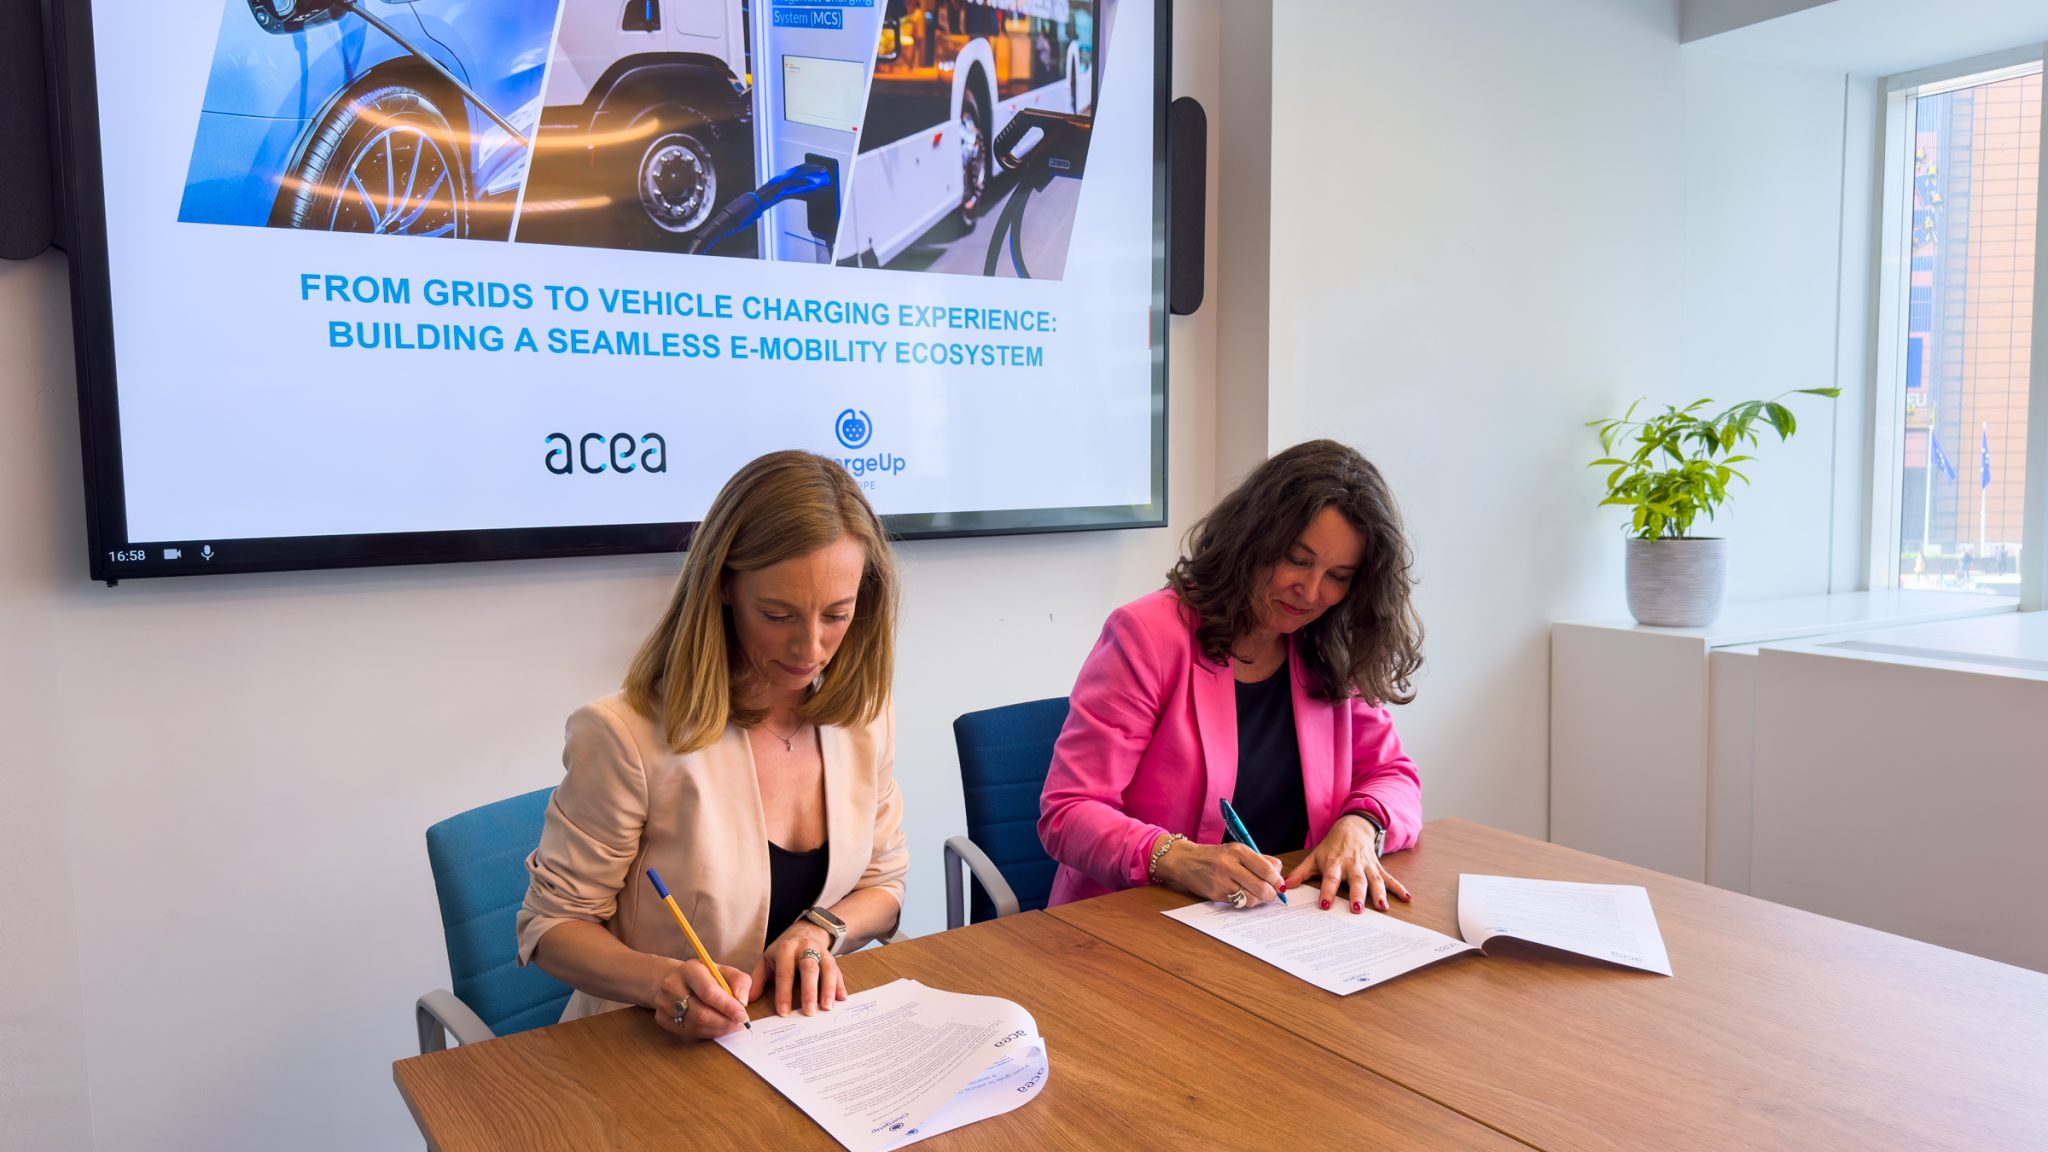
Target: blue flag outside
{"x": 1941, "y": 464}
{"x": 1984, "y": 461}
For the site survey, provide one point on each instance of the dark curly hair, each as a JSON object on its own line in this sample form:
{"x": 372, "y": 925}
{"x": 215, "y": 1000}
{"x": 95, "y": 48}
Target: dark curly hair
{"x": 1370, "y": 643}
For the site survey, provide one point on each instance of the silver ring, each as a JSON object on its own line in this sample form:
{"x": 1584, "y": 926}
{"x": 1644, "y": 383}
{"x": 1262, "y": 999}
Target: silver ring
{"x": 812, "y": 954}
{"x": 682, "y": 1008}
{"x": 1238, "y": 899}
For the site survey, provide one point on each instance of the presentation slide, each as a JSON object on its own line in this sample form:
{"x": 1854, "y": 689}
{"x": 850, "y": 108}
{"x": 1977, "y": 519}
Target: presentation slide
{"x": 917, "y": 236}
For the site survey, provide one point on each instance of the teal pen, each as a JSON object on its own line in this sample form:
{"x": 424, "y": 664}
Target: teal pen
{"x": 1235, "y": 827}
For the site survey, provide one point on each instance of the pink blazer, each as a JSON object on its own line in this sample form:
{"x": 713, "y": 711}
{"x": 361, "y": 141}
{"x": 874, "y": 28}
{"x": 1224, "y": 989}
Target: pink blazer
{"x": 1151, "y": 742}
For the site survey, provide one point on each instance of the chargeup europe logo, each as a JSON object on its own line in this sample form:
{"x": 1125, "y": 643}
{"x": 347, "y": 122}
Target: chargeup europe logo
{"x": 855, "y": 431}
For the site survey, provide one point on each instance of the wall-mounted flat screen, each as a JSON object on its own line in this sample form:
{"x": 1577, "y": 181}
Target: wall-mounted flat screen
{"x": 393, "y": 281}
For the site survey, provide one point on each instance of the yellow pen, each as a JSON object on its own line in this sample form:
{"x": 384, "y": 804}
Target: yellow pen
{"x": 692, "y": 934}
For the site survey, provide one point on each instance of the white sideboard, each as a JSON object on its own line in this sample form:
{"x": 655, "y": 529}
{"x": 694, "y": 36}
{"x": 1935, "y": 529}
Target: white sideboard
{"x": 1650, "y": 728}
{"x": 1901, "y": 782}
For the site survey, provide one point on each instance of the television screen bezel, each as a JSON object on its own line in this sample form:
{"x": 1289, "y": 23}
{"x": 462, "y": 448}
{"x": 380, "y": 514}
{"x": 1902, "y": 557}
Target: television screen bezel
{"x": 112, "y": 555}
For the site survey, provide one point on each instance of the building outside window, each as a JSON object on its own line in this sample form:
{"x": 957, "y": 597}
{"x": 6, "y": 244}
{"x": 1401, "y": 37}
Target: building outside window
{"x": 1967, "y": 329}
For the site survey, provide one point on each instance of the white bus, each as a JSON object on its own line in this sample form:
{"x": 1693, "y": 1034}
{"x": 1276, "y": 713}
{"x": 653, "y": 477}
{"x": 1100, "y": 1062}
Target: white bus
{"x": 948, "y": 76}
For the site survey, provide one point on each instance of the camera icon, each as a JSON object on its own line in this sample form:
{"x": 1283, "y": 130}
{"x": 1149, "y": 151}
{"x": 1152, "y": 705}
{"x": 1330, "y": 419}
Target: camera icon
{"x": 854, "y": 429}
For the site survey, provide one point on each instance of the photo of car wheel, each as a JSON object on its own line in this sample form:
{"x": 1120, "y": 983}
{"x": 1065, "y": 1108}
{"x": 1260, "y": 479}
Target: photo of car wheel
{"x": 384, "y": 162}
{"x": 381, "y": 117}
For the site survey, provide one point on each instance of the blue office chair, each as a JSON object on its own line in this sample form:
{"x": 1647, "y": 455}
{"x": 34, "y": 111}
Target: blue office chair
{"x": 479, "y": 863}
{"x": 1004, "y": 755}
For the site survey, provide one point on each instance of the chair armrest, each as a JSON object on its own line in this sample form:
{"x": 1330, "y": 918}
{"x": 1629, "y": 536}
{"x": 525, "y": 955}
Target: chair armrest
{"x": 440, "y": 1015}
{"x": 964, "y": 851}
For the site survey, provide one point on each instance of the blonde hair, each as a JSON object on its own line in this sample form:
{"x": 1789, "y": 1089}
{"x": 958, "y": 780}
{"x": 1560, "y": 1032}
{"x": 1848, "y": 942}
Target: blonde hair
{"x": 687, "y": 676}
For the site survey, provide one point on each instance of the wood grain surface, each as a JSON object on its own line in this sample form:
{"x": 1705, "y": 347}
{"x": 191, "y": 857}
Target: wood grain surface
{"x": 1139, "y": 1060}
{"x": 1779, "y": 1030}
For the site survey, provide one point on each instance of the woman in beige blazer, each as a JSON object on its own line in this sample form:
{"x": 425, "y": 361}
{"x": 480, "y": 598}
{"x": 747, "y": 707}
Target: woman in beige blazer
{"x": 749, "y": 760}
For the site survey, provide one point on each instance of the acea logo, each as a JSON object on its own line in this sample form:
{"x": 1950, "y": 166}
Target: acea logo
{"x": 856, "y": 431}
{"x": 619, "y": 453}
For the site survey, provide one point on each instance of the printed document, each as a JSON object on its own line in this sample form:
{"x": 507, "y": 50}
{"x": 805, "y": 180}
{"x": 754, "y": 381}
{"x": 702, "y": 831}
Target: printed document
{"x": 893, "y": 1065}
{"x": 1336, "y": 949}
{"x": 1605, "y": 921}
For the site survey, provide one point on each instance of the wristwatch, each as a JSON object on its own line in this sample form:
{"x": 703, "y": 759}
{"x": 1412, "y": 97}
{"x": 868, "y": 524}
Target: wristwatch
{"x": 1379, "y": 831}
{"x": 833, "y": 925}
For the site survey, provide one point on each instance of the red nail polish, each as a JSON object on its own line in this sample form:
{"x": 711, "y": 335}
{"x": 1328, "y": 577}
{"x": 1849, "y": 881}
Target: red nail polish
{"x": 1283, "y": 886}
{"x": 1356, "y": 906}
{"x": 1383, "y": 903}
{"x": 1326, "y": 905}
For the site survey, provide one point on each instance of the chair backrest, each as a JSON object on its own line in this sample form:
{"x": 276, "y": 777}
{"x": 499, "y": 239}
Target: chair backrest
{"x": 1004, "y": 755}
{"x": 479, "y": 863}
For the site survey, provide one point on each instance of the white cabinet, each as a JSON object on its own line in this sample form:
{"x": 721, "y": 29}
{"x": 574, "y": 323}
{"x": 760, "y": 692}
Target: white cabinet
{"x": 1901, "y": 777}
{"x": 1651, "y": 728}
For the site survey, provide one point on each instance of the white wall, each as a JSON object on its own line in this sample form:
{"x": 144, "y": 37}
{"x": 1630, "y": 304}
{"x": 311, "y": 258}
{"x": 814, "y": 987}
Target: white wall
{"x": 1489, "y": 261}
{"x": 1244, "y": 200}
{"x": 1764, "y": 244}
{"x": 1542, "y": 213}
{"x": 218, "y": 909}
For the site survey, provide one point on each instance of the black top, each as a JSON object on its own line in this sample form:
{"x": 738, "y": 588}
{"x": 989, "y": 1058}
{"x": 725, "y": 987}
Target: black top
{"x": 1271, "y": 799}
{"x": 794, "y": 881}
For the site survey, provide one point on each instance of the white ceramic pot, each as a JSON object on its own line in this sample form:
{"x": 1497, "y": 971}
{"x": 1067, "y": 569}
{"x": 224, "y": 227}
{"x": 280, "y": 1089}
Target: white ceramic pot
{"x": 1676, "y": 582}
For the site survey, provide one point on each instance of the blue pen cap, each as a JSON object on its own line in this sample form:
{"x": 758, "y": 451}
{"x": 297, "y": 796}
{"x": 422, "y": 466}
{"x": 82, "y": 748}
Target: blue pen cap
{"x": 659, "y": 887}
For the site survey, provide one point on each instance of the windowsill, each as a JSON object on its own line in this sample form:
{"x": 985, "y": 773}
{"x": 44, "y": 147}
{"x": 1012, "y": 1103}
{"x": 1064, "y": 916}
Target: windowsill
{"x": 1799, "y": 617}
{"x": 2013, "y": 644}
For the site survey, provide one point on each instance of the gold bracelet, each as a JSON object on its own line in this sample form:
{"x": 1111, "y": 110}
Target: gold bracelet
{"x": 1159, "y": 853}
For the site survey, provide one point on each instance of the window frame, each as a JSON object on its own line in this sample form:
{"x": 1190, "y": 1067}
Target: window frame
{"x": 1893, "y": 218}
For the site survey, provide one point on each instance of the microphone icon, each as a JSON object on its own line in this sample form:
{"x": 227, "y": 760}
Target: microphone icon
{"x": 207, "y": 551}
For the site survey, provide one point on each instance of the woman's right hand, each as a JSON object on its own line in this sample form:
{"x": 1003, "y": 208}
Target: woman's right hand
{"x": 711, "y": 1013}
{"x": 1214, "y": 871}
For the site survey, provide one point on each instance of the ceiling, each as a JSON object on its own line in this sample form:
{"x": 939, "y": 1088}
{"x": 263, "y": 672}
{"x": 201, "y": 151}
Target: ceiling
{"x": 1870, "y": 37}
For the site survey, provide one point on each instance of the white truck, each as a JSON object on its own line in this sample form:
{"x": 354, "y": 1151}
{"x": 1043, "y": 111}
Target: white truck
{"x": 647, "y": 117}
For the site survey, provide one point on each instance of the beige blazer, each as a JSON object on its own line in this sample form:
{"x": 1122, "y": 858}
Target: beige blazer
{"x": 628, "y": 803}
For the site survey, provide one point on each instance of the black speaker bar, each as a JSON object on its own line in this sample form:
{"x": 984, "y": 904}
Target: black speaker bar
{"x": 1187, "y": 203}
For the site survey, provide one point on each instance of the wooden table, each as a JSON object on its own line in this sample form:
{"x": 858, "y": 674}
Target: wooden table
{"x": 1139, "y": 1060}
{"x": 1779, "y": 1029}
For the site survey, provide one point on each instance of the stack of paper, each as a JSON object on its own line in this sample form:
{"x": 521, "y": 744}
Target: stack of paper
{"x": 893, "y": 1065}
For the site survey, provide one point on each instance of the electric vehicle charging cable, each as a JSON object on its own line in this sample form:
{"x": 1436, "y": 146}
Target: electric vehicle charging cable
{"x": 807, "y": 181}
{"x": 1061, "y": 149}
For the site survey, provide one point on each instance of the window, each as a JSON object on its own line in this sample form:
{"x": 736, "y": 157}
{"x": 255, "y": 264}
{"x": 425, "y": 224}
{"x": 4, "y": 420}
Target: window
{"x": 1956, "y": 327}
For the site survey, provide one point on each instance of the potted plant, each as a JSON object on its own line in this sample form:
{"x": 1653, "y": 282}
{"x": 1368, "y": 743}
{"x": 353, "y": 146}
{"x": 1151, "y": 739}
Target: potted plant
{"x": 1680, "y": 466}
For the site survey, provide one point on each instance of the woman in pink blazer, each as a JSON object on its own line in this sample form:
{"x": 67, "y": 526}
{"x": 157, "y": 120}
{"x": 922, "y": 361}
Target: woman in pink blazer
{"x": 1258, "y": 676}
{"x": 749, "y": 760}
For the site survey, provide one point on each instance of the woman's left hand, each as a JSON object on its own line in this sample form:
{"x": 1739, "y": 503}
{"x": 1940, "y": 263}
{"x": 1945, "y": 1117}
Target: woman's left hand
{"x": 1346, "y": 857}
{"x": 803, "y": 970}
